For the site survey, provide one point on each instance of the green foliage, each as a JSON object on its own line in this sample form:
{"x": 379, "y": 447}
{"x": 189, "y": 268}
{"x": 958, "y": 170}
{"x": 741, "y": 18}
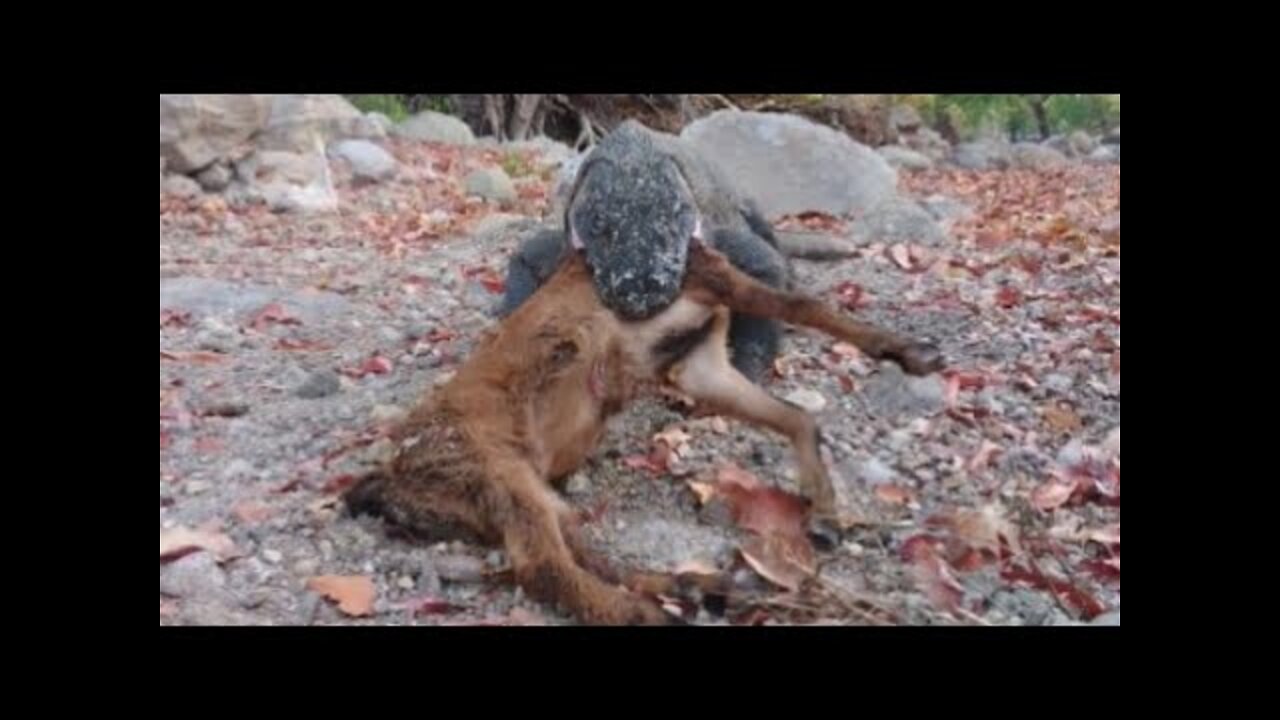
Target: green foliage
{"x": 393, "y": 106}
{"x": 516, "y": 165}
{"x": 1012, "y": 114}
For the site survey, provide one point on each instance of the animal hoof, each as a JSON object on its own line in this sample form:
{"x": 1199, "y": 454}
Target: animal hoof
{"x": 920, "y": 359}
{"x": 824, "y": 534}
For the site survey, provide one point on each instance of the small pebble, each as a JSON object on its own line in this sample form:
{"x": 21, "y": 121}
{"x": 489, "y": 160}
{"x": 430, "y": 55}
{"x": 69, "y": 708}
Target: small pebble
{"x": 275, "y": 557}
{"x": 405, "y": 583}
{"x": 196, "y": 487}
{"x": 809, "y": 400}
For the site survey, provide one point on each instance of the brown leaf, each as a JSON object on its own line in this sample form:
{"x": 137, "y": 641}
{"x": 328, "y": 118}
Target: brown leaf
{"x": 983, "y": 457}
{"x": 705, "y": 491}
{"x": 376, "y": 365}
{"x": 657, "y": 462}
{"x": 196, "y": 358}
{"x": 781, "y": 561}
{"x": 252, "y": 513}
{"x": 273, "y": 314}
{"x": 1061, "y": 419}
{"x": 932, "y": 575}
{"x": 1052, "y": 495}
{"x": 894, "y": 495}
{"x": 296, "y": 345}
{"x": 354, "y": 595}
{"x": 1008, "y": 297}
{"x": 1109, "y": 535}
{"x": 1069, "y": 592}
{"x": 180, "y": 542}
{"x": 901, "y": 255}
{"x": 674, "y": 438}
{"x": 173, "y": 318}
{"x": 985, "y": 528}
{"x": 209, "y": 446}
{"x": 851, "y": 296}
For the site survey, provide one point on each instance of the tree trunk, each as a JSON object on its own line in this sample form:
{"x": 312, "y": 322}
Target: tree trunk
{"x": 1038, "y": 108}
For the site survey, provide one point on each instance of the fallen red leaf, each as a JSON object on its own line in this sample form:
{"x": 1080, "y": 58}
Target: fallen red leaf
{"x": 983, "y": 457}
{"x": 180, "y": 542}
{"x": 851, "y": 296}
{"x": 354, "y": 595}
{"x": 1105, "y": 570}
{"x": 209, "y": 445}
{"x": 173, "y": 318}
{"x": 294, "y": 345}
{"x": 487, "y": 277}
{"x": 339, "y": 484}
{"x": 1008, "y": 297}
{"x": 430, "y": 605}
{"x": 251, "y": 513}
{"x": 901, "y": 255}
{"x": 894, "y": 495}
{"x": 1070, "y": 593}
{"x": 655, "y": 463}
{"x": 1052, "y": 495}
{"x": 273, "y": 313}
{"x": 376, "y": 365}
{"x": 198, "y": 358}
{"x": 166, "y": 440}
{"x": 1109, "y": 535}
{"x": 931, "y": 574}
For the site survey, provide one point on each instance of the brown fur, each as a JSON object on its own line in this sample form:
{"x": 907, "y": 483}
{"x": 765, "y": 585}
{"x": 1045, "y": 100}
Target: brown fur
{"x": 480, "y": 456}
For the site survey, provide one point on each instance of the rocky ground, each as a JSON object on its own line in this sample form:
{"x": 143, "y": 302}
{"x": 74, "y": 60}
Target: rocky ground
{"x": 986, "y": 495}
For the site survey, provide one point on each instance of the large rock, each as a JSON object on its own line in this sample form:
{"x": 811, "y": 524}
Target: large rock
{"x": 982, "y": 155}
{"x": 431, "y": 126}
{"x": 1081, "y": 144}
{"x": 905, "y": 119}
{"x": 1105, "y": 155}
{"x": 897, "y": 220}
{"x": 296, "y": 121}
{"x": 791, "y": 165}
{"x": 1033, "y": 156}
{"x": 550, "y": 153}
{"x": 946, "y": 209}
{"x": 179, "y": 185}
{"x": 491, "y": 184}
{"x": 198, "y": 130}
{"x": 367, "y": 160}
{"x": 905, "y": 158}
{"x": 928, "y": 142}
{"x": 291, "y": 181}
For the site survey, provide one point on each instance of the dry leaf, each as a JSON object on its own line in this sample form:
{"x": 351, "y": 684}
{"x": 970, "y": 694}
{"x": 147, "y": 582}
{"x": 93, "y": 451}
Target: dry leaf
{"x": 704, "y": 491}
{"x": 181, "y": 541}
{"x": 1052, "y": 495}
{"x": 354, "y": 595}
{"x": 984, "y": 528}
{"x": 1061, "y": 419}
{"x": 783, "y": 563}
{"x": 894, "y": 495}
{"x": 1109, "y": 535}
{"x": 901, "y": 255}
{"x": 252, "y": 513}
{"x": 931, "y": 574}
{"x": 982, "y": 458}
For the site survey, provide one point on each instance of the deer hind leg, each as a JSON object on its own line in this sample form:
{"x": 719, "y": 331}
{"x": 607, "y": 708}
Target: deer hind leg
{"x": 707, "y": 376}
{"x": 544, "y": 563}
